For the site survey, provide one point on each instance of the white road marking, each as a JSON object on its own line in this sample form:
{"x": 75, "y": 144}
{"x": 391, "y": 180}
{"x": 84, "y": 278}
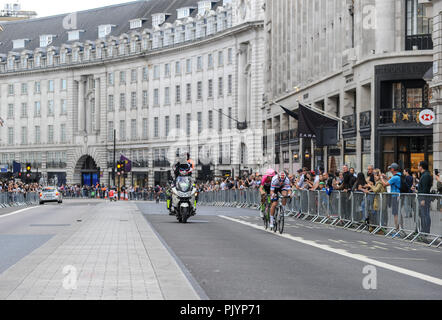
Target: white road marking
{"x": 347, "y": 254}
{"x": 390, "y": 258}
{"x": 379, "y": 247}
{"x": 15, "y": 212}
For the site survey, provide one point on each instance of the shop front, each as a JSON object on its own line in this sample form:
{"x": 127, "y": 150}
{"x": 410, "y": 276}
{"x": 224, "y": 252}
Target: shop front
{"x": 407, "y": 151}
{"x": 401, "y": 94}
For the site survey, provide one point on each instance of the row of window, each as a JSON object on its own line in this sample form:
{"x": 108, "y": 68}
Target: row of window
{"x": 24, "y": 110}
{"x": 138, "y": 43}
{"x": 33, "y": 157}
{"x": 24, "y": 135}
{"x": 167, "y": 69}
{"x": 167, "y": 125}
{"x": 37, "y": 87}
{"x": 167, "y": 94}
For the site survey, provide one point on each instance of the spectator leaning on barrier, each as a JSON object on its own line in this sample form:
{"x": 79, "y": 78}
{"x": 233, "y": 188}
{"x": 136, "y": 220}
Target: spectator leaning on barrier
{"x": 378, "y": 188}
{"x": 439, "y": 182}
{"x": 395, "y": 184}
{"x": 425, "y": 184}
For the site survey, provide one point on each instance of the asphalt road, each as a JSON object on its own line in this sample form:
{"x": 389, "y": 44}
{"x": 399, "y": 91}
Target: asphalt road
{"x": 230, "y": 259}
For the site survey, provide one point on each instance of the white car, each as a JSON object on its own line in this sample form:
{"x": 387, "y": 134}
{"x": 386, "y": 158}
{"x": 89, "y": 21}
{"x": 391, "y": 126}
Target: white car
{"x": 50, "y": 194}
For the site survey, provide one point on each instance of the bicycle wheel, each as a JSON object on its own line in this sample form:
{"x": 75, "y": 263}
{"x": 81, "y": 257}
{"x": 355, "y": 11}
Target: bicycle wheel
{"x": 275, "y": 219}
{"x": 281, "y": 222}
{"x": 265, "y": 218}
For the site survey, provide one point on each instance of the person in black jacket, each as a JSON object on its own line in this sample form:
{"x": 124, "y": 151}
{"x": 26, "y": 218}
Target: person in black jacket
{"x": 424, "y": 188}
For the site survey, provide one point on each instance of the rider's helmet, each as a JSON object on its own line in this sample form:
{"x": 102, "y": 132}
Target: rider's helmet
{"x": 282, "y": 176}
{"x": 185, "y": 169}
{"x": 270, "y": 173}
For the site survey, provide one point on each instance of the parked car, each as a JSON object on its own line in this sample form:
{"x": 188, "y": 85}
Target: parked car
{"x": 50, "y": 194}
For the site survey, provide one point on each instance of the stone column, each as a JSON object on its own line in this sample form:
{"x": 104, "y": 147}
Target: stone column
{"x": 436, "y": 84}
{"x": 97, "y": 104}
{"x": 385, "y": 26}
{"x": 81, "y": 106}
{"x": 242, "y": 83}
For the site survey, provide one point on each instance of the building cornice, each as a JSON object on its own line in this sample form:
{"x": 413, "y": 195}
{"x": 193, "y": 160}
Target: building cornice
{"x": 238, "y": 29}
{"x": 377, "y": 57}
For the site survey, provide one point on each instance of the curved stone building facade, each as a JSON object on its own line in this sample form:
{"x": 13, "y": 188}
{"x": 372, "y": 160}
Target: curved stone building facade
{"x": 166, "y": 76}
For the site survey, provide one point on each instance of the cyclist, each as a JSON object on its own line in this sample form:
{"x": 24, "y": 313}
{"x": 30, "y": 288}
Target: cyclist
{"x": 280, "y": 184}
{"x": 264, "y": 188}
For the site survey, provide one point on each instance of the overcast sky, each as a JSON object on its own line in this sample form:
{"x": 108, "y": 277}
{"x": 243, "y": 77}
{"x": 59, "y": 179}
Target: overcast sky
{"x": 52, "y": 7}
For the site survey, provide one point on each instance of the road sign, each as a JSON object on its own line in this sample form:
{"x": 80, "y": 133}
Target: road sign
{"x": 427, "y": 117}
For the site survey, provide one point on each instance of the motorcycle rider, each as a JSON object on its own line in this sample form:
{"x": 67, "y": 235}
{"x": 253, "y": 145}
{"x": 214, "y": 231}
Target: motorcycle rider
{"x": 183, "y": 167}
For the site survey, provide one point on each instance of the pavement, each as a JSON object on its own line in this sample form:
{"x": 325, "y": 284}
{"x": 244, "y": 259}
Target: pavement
{"x": 86, "y": 250}
{"x": 93, "y": 249}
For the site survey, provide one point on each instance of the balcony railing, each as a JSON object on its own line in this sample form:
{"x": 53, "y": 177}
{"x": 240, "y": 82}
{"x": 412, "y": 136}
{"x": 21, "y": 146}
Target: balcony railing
{"x": 224, "y": 160}
{"x": 277, "y": 139}
{"x": 365, "y": 120}
{"x": 350, "y": 125}
{"x": 56, "y": 165}
{"x": 400, "y": 117}
{"x": 421, "y": 41}
{"x": 161, "y": 163}
{"x": 140, "y": 164}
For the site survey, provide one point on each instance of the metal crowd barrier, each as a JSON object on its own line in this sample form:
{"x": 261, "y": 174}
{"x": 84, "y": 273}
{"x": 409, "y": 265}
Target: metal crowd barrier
{"x": 15, "y": 199}
{"x": 408, "y": 216}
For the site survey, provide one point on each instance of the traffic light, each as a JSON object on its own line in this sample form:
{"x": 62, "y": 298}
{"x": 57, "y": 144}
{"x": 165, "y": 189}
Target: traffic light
{"x": 28, "y": 168}
{"x": 118, "y": 167}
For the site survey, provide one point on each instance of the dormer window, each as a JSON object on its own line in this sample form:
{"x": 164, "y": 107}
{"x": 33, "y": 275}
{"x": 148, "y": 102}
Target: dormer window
{"x": 98, "y": 52}
{"x": 74, "y": 35}
{"x": 145, "y": 43}
{"x": 122, "y": 47}
{"x": 50, "y": 58}
{"x": 11, "y": 63}
{"x": 136, "y": 23}
{"x": 158, "y": 19}
{"x": 46, "y": 40}
{"x": 63, "y": 56}
{"x": 204, "y": 6}
{"x": 104, "y": 30}
{"x": 19, "y": 43}
{"x": 37, "y": 60}
{"x": 183, "y": 13}
{"x": 24, "y": 62}
{"x": 87, "y": 53}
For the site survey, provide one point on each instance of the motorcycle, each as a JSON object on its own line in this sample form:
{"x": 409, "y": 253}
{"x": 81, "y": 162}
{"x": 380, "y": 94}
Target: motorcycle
{"x": 183, "y": 198}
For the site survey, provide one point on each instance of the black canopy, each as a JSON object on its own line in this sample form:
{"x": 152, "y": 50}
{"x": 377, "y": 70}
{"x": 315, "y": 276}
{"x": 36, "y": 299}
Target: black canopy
{"x": 316, "y": 126}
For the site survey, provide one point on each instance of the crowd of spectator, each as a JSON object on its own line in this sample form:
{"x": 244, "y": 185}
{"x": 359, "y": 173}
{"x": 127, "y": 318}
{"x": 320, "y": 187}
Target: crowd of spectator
{"x": 345, "y": 180}
{"x": 394, "y": 181}
{"x": 18, "y": 187}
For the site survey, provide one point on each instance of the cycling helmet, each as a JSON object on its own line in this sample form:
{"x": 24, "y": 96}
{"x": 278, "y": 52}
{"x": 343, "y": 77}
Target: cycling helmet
{"x": 282, "y": 176}
{"x": 270, "y": 172}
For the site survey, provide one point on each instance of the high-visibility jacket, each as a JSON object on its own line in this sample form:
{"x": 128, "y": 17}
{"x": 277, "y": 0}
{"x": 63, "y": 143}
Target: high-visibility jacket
{"x": 192, "y": 163}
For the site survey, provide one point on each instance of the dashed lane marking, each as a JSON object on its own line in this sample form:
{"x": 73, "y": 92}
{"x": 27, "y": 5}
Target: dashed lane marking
{"x": 345, "y": 253}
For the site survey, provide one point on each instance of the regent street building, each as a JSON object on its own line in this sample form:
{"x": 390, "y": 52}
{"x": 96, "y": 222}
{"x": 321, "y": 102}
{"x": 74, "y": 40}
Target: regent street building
{"x": 365, "y": 61}
{"x": 166, "y": 76}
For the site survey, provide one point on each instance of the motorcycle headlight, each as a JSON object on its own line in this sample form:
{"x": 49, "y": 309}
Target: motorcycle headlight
{"x": 184, "y": 194}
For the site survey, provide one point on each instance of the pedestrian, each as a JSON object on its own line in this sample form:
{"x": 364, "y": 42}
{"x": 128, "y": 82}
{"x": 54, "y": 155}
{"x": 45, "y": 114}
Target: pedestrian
{"x": 379, "y": 207}
{"x": 395, "y": 184}
{"x": 424, "y": 200}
